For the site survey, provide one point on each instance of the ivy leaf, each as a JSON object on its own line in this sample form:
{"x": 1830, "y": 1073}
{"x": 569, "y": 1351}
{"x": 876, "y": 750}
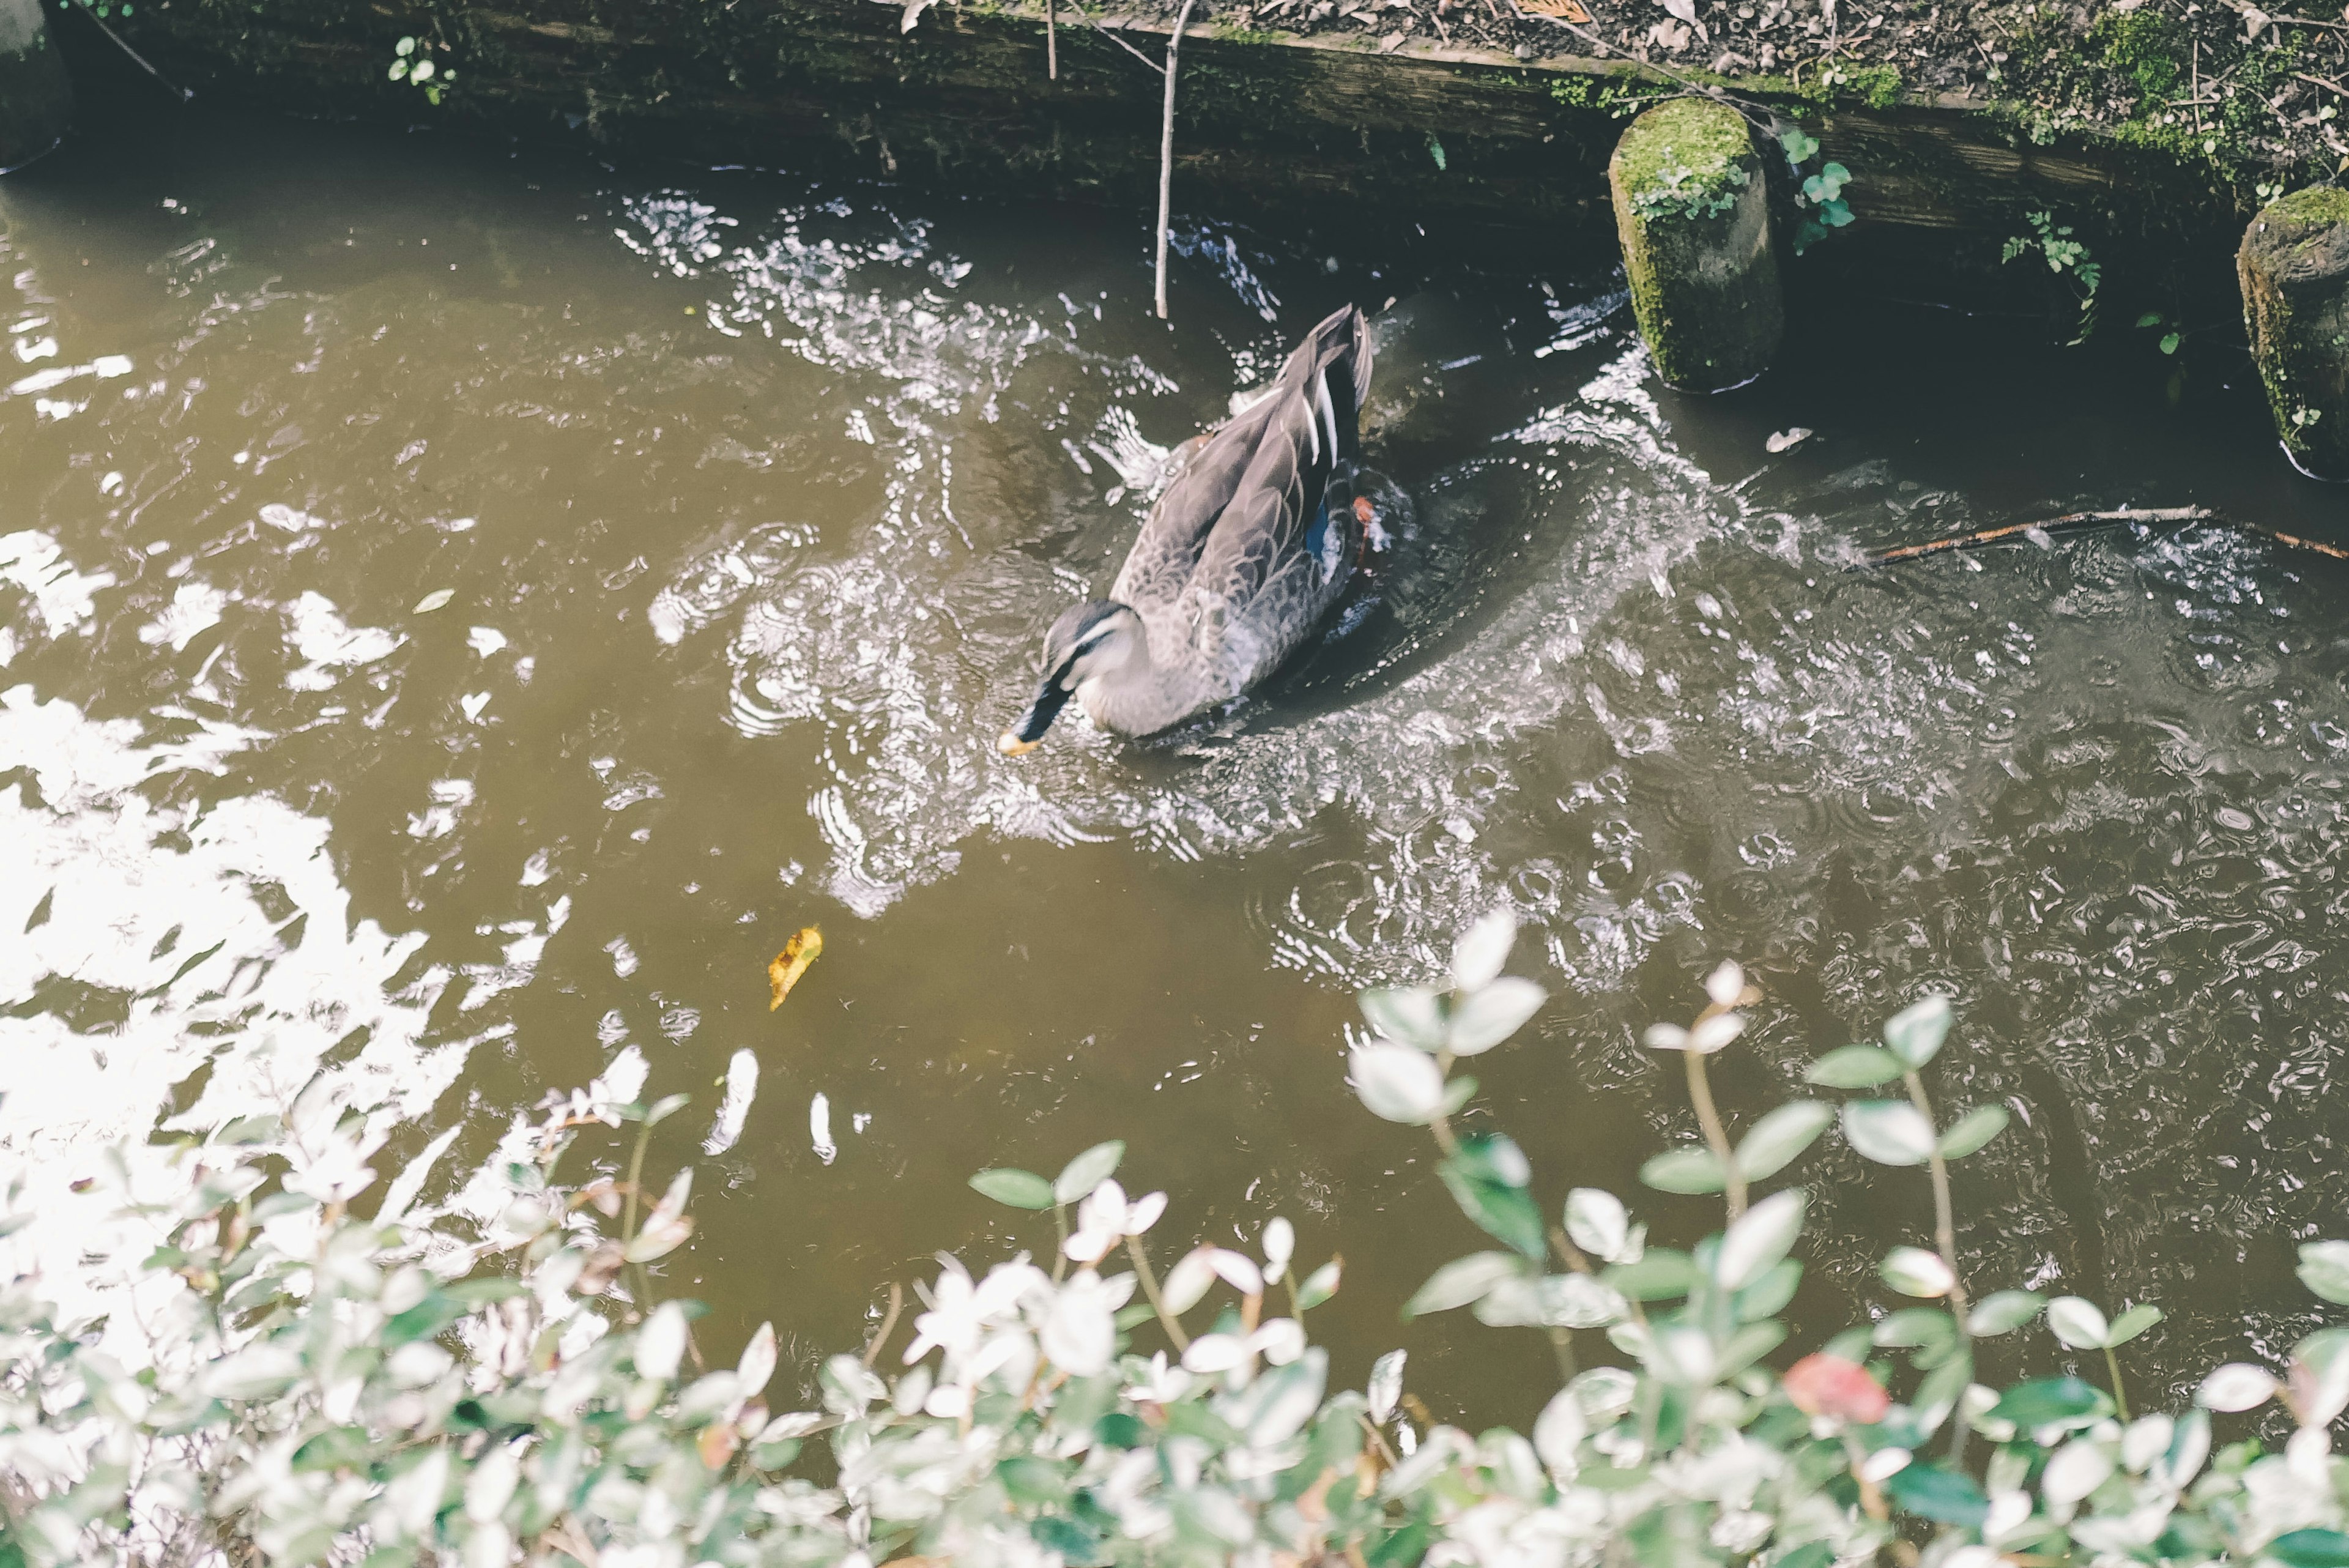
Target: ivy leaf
{"x": 1014, "y": 1188}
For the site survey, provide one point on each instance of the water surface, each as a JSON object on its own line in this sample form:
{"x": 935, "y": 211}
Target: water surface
{"x": 742, "y": 503}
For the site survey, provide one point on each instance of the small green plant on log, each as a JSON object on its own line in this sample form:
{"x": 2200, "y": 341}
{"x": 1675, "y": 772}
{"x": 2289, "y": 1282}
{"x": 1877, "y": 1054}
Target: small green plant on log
{"x": 2067, "y": 258}
{"x": 412, "y": 61}
{"x": 1820, "y": 199}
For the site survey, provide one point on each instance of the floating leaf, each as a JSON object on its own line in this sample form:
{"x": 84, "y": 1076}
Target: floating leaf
{"x": 433, "y": 601}
{"x": 784, "y": 972}
{"x": 1855, "y": 1067}
{"x": 1890, "y": 1132}
{"x": 1780, "y": 1136}
{"x": 1016, "y": 1189}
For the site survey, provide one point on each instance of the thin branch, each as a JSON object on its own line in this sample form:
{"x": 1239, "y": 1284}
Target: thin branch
{"x": 888, "y": 1323}
{"x": 1166, "y": 1320}
{"x": 1945, "y": 1242}
{"x": 2120, "y": 1399}
{"x": 1052, "y": 39}
{"x": 1167, "y": 150}
{"x": 182, "y": 94}
{"x": 1121, "y": 43}
{"x": 1715, "y": 1134}
{"x": 2069, "y": 521}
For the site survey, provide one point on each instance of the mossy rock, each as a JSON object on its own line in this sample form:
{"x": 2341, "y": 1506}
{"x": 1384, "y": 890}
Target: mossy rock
{"x": 1692, "y": 211}
{"x": 35, "y": 96}
{"x": 2294, "y": 271}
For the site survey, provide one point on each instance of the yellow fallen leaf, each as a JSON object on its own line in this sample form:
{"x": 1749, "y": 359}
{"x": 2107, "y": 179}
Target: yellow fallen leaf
{"x": 792, "y": 963}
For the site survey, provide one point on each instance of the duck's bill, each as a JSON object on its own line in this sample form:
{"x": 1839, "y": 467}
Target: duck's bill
{"x": 1029, "y": 733}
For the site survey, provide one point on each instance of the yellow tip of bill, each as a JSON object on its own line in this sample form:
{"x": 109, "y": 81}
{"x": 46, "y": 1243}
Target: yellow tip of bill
{"x": 1011, "y": 745}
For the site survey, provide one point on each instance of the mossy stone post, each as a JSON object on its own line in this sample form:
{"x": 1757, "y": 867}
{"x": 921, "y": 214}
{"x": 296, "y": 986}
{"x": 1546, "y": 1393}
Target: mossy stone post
{"x": 35, "y": 96}
{"x": 1692, "y": 209}
{"x": 2294, "y": 269}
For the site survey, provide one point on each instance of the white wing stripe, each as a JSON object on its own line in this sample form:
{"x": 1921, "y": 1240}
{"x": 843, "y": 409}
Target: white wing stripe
{"x": 1321, "y": 400}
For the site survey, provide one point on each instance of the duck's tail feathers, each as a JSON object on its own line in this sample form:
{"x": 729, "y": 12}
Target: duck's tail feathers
{"x": 1336, "y": 359}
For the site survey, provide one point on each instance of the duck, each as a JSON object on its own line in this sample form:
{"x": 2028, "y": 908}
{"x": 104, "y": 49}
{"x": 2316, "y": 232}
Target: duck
{"x": 1250, "y": 545}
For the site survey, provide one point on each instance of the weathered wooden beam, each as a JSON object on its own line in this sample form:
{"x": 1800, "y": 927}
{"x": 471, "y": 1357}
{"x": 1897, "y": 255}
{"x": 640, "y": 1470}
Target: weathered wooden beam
{"x": 1423, "y": 133}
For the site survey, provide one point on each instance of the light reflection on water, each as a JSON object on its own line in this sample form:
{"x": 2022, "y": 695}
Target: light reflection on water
{"x": 749, "y": 502}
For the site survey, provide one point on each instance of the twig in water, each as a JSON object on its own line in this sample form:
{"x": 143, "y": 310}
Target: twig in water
{"x": 182, "y": 94}
{"x": 1052, "y": 39}
{"x": 1167, "y": 151}
{"x": 2071, "y": 521}
{"x": 888, "y": 1322}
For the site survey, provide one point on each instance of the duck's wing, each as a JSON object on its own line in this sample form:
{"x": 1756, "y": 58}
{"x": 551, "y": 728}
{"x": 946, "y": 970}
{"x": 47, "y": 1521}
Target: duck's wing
{"x": 1167, "y": 551}
{"x": 1222, "y": 470}
{"x": 1272, "y": 545}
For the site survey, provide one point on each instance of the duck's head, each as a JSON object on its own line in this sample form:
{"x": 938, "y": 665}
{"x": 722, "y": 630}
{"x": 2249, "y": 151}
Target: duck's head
{"x": 1090, "y": 641}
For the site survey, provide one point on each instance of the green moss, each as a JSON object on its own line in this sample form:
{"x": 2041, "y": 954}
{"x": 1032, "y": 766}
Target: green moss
{"x": 1691, "y": 143}
{"x": 1231, "y": 35}
{"x": 2317, "y": 204}
{"x": 1877, "y": 87}
{"x": 2141, "y": 45}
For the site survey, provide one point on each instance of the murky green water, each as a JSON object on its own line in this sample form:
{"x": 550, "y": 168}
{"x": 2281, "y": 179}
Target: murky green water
{"x": 749, "y": 500}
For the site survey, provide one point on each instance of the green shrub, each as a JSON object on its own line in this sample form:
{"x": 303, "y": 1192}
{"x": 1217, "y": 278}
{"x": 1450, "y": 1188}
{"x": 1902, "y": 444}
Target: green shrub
{"x": 297, "y": 1385}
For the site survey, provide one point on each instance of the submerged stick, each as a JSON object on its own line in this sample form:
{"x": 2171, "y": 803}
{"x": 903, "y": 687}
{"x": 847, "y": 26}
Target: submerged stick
{"x": 2076, "y": 522}
{"x": 1166, "y": 152}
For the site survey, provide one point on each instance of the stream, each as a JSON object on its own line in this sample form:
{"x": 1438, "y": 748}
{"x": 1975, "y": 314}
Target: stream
{"x": 462, "y": 611}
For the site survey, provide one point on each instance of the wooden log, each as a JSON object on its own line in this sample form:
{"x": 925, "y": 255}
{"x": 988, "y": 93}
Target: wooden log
{"x": 35, "y": 96}
{"x": 1692, "y": 211}
{"x": 2294, "y": 271}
